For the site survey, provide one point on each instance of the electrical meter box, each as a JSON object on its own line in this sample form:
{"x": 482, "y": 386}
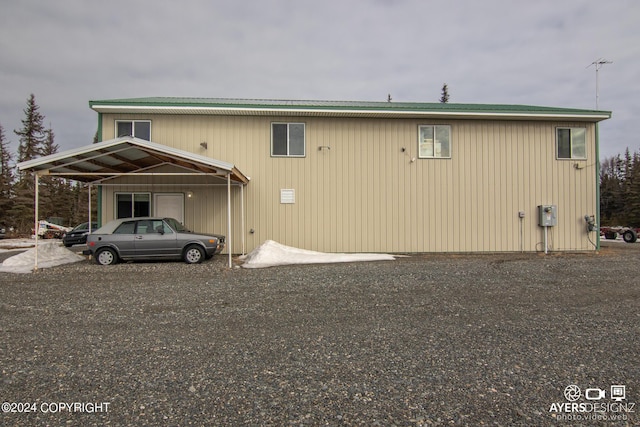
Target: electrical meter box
{"x": 547, "y": 215}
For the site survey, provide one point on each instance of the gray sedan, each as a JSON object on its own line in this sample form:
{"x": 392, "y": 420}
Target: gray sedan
{"x": 150, "y": 238}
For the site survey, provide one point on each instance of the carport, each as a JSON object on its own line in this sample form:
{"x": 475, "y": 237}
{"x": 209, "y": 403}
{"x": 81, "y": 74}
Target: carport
{"x": 128, "y": 156}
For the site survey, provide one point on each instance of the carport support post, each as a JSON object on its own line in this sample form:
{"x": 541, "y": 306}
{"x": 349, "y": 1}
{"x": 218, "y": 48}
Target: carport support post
{"x": 35, "y": 212}
{"x": 90, "y": 230}
{"x": 242, "y": 211}
{"x": 229, "y": 217}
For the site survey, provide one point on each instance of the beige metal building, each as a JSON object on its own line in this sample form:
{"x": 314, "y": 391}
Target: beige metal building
{"x": 364, "y": 176}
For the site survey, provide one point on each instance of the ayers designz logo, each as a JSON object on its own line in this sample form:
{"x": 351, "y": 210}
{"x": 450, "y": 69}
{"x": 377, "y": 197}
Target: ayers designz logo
{"x": 594, "y": 403}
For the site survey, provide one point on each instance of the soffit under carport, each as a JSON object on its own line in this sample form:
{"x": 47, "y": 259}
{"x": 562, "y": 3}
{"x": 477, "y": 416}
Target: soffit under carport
{"x": 128, "y": 156}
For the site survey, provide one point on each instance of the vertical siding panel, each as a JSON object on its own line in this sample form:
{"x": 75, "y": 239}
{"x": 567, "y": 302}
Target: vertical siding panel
{"x": 382, "y": 204}
{"x": 441, "y": 196}
{"x": 480, "y": 195}
{"x": 454, "y": 200}
{"x": 365, "y": 194}
{"x": 493, "y": 210}
{"x": 384, "y": 209}
{"x": 348, "y": 207}
{"x": 513, "y": 182}
{"x": 503, "y": 169}
{"x": 478, "y": 170}
{"x": 528, "y": 188}
{"x": 463, "y": 155}
{"x": 411, "y": 147}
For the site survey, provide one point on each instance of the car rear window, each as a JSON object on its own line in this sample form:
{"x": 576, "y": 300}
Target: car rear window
{"x": 125, "y": 228}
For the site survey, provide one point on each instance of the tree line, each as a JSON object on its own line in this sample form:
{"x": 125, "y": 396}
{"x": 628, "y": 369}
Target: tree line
{"x": 58, "y": 198}
{"x": 620, "y": 190}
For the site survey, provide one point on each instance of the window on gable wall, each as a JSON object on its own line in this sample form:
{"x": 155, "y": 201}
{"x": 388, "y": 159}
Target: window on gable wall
{"x": 137, "y": 128}
{"x": 434, "y": 142}
{"x": 571, "y": 143}
{"x": 287, "y": 140}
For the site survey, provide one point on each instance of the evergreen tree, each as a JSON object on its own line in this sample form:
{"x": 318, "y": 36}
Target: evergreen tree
{"x": 80, "y": 204}
{"x": 6, "y": 180}
{"x": 610, "y": 190}
{"x": 627, "y": 186}
{"x": 32, "y": 135}
{"x": 51, "y": 193}
{"x": 22, "y": 207}
{"x": 632, "y": 201}
{"x": 32, "y": 140}
{"x": 444, "y": 98}
{"x": 620, "y": 190}
{"x": 49, "y": 146}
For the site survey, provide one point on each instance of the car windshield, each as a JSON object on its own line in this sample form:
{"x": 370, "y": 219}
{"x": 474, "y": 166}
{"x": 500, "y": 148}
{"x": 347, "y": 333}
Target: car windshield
{"x": 176, "y": 225}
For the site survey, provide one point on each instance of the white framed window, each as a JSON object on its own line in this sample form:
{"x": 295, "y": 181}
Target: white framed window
{"x": 137, "y": 128}
{"x": 288, "y": 140}
{"x": 132, "y": 205}
{"x": 434, "y": 142}
{"x": 571, "y": 143}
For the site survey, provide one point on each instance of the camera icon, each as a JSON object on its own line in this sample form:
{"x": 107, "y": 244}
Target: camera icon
{"x": 595, "y": 394}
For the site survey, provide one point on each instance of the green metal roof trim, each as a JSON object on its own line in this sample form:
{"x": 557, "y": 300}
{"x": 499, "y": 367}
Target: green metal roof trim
{"x": 133, "y": 104}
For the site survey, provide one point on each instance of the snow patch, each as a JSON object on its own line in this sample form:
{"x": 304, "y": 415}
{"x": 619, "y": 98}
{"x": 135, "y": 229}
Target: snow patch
{"x": 50, "y": 254}
{"x": 7, "y": 245}
{"x": 270, "y": 254}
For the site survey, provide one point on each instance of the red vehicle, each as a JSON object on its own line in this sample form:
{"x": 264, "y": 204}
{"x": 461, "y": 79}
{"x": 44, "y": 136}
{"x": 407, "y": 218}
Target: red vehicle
{"x": 629, "y": 234}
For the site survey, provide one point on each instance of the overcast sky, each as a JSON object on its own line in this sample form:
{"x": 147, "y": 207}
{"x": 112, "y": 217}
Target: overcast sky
{"x": 68, "y": 52}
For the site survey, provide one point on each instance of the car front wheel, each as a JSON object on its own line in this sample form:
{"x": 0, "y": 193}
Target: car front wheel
{"x": 193, "y": 254}
{"x": 106, "y": 257}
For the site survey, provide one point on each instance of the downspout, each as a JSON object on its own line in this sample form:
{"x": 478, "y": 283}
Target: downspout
{"x": 597, "y": 187}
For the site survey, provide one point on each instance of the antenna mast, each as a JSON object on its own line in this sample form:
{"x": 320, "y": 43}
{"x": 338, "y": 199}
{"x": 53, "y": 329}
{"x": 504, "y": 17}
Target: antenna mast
{"x": 598, "y": 63}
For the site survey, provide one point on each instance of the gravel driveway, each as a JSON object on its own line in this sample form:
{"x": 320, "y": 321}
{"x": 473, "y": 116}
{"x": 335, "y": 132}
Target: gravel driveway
{"x": 423, "y": 340}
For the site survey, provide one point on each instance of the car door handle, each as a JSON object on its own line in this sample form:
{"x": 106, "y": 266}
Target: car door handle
{"x": 139, "y": 237}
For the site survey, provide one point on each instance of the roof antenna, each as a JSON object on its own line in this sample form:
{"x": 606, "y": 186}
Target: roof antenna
{"x": 598, "y": 64}
{"x": 389, "y": 98}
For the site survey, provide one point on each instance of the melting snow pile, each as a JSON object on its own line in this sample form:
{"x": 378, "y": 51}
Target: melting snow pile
{"x": 50, "y": 254}
{"x": 272, "y": 253}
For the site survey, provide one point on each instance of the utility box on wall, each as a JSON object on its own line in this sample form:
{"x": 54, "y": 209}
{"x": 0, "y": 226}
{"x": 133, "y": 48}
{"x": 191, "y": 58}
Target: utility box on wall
{"x": 547, "y": 215}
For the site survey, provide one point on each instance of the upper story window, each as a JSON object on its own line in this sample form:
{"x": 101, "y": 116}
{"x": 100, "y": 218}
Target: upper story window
{"x": 434, "y": 142}
{"x": 288, "y": 139}
{"x": 571, "y": 143}
{"x": 138, "y": 128}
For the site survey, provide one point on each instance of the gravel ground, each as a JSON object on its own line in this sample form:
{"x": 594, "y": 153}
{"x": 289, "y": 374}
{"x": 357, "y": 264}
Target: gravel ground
{"x": 423, "y": 340}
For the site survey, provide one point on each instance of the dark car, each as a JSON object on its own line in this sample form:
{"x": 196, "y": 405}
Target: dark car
{"x": 78, "y": 236}
{"x": 150, "y": 238}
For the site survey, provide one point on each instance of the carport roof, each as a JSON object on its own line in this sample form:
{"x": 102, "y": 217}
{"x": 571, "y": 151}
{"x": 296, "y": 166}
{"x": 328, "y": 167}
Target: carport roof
{"x": 126, "y": 156}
